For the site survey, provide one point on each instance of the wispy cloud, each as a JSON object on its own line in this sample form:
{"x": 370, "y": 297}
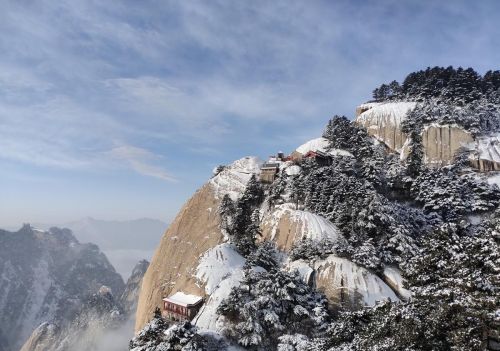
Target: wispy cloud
{"x": 140, "y": 160}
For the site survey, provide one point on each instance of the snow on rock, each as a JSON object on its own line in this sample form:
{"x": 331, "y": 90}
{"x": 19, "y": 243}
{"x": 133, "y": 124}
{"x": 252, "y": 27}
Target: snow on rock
{"x": 494, "y": 179}
{"x": 303, "y": 268}
{"x": 216, "y": 264}
{"x": 292, "y": 170}
{"x": 391, "y": 112}
{"x": 344, "y": 281}
{"x": 233, "y": 179}
{"x": 286, "y": 225}
{"x": 393, "y": 278}
{"x": 321, "y": 144}
{"x": 488, "y": 148}
{"x": 219, "y": 269}
{"x": 383, "y": 121}
{"x": 487, "y": 155}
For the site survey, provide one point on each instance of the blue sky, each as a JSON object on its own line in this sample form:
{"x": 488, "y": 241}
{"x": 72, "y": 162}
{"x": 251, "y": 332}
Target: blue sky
{"x": 120, "y": 109}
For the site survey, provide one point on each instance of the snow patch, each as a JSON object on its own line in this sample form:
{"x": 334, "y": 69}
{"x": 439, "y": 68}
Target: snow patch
{"x": 494, "y": 179}
{"x": 302, "y": 267}
{"x": 391, "y": 112}
{"x": 321, "y": 144}
{"x": 309, "y": 225}
{"x": 340, "y": 273}
{"x": 234, "y": 178}
{"x": 220, "y": 269}
{"x": 292, "y": 170}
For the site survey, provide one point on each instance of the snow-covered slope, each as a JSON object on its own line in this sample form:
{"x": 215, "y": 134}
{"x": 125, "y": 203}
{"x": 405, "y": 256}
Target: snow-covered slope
{"x": 321, "y": 144}
{"x": 45, "y": 276}
{"x": 344, "y": 281}
{"x": 383, "y": 121}
{"x": 233, "y": 178}
{"x": 219, "y": 270}
{"x": 285, "y": 225}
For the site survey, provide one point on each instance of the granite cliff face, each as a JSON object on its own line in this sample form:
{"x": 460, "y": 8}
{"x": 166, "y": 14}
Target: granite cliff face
{"x": 440, "y": 141}
{"x": 192, "y": 233}
{"x": 383, "y": 121}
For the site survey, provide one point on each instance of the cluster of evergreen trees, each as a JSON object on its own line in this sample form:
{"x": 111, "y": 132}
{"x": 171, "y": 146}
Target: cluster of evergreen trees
{"x": 413, "y": 216}
{"x": 240, "y": 219}
{"x": 270, "y": 304}
{"x": 447, "y": 96}
{"x": 457, "y": 85}
{"x": 160, "y": 335}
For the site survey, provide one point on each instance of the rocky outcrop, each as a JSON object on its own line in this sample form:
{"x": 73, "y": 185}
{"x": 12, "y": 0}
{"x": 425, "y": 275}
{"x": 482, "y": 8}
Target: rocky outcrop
{"x": 286, "y": 225}
{"x": 440, "y": 142}
{"x": 487, "y": 153}
{"x": 383, "y": 121}
{"x": 341, "y": 280}
{"x": 102, "y": 323}
{"x": 345, "y": 283}
{"x": 130, "y": 294}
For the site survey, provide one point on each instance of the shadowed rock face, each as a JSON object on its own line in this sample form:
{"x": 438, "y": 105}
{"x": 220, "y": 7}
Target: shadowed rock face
{"x": 99, "y": 314}
{"x": 132, "y": 288}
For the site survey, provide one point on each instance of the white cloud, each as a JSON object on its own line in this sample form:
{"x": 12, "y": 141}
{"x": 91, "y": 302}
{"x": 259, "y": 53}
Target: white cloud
{"x": 140, "y": 160}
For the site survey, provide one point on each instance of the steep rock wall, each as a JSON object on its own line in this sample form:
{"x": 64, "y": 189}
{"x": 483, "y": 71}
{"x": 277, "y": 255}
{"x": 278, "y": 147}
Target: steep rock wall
{"x": 194, "y": 231}
{"x": 383, "y": 121}
{"x": 440, "y": 142}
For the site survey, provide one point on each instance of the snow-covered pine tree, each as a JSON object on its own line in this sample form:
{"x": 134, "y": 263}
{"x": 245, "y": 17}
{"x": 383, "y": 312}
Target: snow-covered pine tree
{"x": 245, "y": 226}
{"x": 268, "y": 305}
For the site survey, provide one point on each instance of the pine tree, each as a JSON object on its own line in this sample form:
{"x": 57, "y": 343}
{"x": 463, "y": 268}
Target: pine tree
{"x": 268, "y": 305}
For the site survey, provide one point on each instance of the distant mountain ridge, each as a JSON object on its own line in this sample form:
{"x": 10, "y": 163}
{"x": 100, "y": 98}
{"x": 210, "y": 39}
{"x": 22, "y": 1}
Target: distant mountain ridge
{"x": 44, "y": 276}
{"x": 124, "y": 242}
{"x": 115, "y": 234}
